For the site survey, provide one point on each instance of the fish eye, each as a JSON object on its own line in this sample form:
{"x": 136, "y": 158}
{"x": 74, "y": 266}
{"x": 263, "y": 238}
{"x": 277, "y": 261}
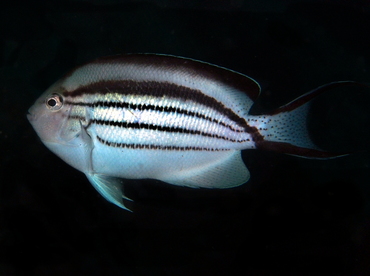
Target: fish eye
{"x": 54, "y": 102}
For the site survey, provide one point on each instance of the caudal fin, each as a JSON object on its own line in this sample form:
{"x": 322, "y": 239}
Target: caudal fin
{"x": 285, "y": 129}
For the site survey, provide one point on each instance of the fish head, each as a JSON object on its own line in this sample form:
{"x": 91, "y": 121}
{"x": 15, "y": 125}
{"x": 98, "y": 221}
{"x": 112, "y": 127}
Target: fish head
{"x": 67, "y": 138}
{"x": 49, "y": 116}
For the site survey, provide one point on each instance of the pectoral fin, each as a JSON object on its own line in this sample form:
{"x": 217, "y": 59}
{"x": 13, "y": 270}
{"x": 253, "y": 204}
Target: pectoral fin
{"x": 111, "y": 188}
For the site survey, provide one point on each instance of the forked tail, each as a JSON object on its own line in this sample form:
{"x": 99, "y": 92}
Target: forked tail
{"x": 285, "y": 129}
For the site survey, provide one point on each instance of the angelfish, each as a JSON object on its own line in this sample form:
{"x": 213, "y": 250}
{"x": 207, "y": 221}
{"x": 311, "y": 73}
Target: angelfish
{"x": 163, "y": 117}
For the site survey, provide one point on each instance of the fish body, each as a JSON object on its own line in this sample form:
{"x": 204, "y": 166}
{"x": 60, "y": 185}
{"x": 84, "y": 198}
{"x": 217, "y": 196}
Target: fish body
{"x": 174, "y": 119}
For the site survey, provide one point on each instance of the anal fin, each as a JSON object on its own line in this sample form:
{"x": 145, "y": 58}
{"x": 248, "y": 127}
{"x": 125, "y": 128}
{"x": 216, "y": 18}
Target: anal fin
{"x": 111, "y": 188}
{"x": 228, "y": 172}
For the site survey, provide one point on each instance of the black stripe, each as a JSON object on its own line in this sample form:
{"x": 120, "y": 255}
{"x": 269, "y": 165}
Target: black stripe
{"x": 77, "y": 117}
{"x": 157, "y": 89}
{"x": 156, "y": 147}
{"x": 164, "y": 129}
{"x": 142, "y": 107}
{"x": 178, "y": 65}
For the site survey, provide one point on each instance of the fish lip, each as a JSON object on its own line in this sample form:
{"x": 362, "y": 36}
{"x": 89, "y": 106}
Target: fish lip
{"x": 30, "y": 116}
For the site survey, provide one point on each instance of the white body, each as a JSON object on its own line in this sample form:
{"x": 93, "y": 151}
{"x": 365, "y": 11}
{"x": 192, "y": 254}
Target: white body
{"x": 150, "y": 116}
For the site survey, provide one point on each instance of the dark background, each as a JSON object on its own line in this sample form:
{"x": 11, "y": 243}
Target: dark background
{"x": 294, "y": 217}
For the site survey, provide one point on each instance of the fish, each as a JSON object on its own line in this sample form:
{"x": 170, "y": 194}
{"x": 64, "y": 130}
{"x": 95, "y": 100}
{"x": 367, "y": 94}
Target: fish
{"x": 173, "y": 119}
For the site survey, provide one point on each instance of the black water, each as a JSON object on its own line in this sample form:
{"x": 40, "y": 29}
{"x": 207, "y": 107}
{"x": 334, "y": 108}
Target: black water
{"x": 295, "y": 216}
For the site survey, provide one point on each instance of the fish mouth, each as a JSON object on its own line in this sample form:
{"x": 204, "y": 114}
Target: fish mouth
{"x": 30, "y": 116}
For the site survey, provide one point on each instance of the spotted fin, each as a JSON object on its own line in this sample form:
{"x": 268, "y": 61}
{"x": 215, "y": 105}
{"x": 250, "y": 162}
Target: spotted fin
{"x": 111, "y": 188}
{"x": 285, "y": 129}
{"x": 227, "y": 173}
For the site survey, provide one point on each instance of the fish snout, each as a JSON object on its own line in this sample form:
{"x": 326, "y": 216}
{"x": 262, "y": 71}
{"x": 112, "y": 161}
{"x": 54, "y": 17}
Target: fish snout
{"x": 30, "y": 117}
